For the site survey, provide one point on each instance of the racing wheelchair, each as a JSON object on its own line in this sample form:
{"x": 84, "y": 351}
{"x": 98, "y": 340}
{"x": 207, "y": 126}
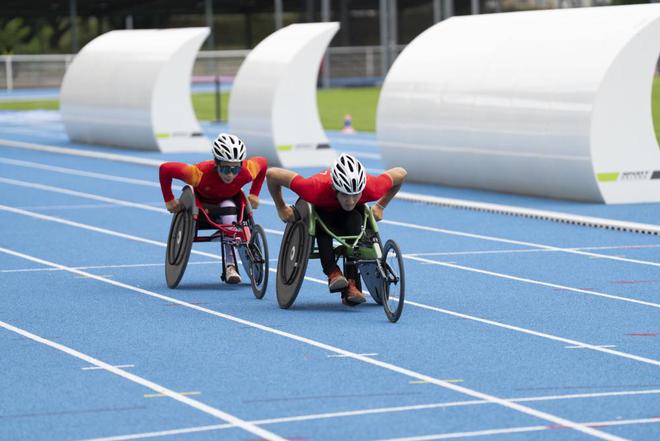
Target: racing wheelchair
{"x": 380, "y": 267}
{"x": 249, "y": 238}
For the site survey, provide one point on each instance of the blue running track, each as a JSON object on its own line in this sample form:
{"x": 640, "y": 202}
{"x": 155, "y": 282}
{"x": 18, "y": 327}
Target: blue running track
{"x": 515, "y": 328}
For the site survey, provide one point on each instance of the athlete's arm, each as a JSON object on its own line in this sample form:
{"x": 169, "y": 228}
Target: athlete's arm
{"x": 257, "y": 167}
{"x": 277, "y": 178}
{"x": 169, "y": 170}
{"x": 398, "y": 175}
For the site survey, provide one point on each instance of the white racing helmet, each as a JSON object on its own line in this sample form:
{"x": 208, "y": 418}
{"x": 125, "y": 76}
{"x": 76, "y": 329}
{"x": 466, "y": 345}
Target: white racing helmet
{"x": 228, "y": 148}
{"x": 348, "y": 175}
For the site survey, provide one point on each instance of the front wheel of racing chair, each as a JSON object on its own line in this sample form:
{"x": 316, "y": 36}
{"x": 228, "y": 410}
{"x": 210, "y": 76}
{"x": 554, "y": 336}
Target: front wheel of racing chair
{"x": 395, "y": 281}
{"x": 254, "y": 256}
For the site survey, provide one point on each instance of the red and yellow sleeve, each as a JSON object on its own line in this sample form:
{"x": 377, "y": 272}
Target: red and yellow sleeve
{"x": 257, "y": 167}
{"x": 306, "y": 188}
{"x": 189, "y": 174}
{"x": 377, "y": 186}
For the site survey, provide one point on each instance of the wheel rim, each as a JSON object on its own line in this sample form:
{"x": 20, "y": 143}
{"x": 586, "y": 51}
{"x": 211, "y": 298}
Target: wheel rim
{"x": 179, "y": 245}
{"x": 290, "y": 265}
{"x": 393, "y": 298}
{"x": 258, "y": 272}
{"x": 258, "y": 262}
{"x": 178, "y": 240}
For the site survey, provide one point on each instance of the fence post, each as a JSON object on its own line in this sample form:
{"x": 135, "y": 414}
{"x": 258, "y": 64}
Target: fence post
{"x": 369, "y": 61}
{"x": 218, "y": 101}
{"x": 9, "y": 73}
{"x": 325, "y": 16}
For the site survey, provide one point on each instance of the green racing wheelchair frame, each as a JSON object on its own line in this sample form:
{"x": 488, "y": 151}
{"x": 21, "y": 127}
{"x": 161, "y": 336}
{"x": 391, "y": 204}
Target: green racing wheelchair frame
{"x": 380, "y": 267}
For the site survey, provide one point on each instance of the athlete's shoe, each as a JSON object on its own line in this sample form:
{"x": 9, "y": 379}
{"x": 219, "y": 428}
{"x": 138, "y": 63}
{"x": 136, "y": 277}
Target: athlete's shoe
{"x": 336, "y": 280}
{"x": 353, "y": 296}
{"x": 231, "y": 275}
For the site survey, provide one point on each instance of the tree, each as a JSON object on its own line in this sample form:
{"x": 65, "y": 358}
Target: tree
{"x": 13, "y": 34}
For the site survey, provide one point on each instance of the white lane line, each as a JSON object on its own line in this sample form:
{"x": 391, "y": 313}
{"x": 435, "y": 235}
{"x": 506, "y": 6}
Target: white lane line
{"x": 75, "y": 172}
{"x": 546, "y": 215}
{"x": 80, "y": 152}
{"x": 86, "y": 277}
{"x": 536, "y": 333}
{"x": 372, "y": 411}
{"x": 328, "y": 348}
{"x": 103, "y": 176}
{"x": 80, "y": 194}
{"x": 248, "y": 427}
{"x": 324, "y": 283}
{"x": 405, "y": 196}
{"x": 529, "y": 250}
{"x": 584, "y": 347}
{"x": 136, "y": 265}
{"x": 76, "y": 206}
{"x": 118, "y": 366}
{"x": 419, "y": 259}
{"x": 194, "y": 392}
{"x": 532, "y": 281}
{"x": 370, "y": 354}
{"x": 98, "y": 198}
{"x": 457, "y": 435}
{"x": 269, "y": 202}
{"x": 424, "y": 382}
{"x": 515, "y": 242}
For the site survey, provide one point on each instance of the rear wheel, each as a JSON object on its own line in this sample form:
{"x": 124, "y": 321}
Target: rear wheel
{"x": 258, "y": 261}
{"x": 292, "y": 262}
{"x": 179, "y": 246}
{"x": 394, "y": 295}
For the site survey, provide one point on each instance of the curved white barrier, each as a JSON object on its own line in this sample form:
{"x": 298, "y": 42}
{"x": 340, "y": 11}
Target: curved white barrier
{"x": 551, "y": 103}
{"x": 132, "y": 89}
{"x": 272, "y": 105}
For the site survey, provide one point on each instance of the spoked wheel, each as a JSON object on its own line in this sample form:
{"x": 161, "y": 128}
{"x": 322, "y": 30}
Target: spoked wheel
{"x": 394, "y": 295}
{"x": 292, "y": 262}
{"x": 179, "y": 245}
{"x": 257, "y": 250}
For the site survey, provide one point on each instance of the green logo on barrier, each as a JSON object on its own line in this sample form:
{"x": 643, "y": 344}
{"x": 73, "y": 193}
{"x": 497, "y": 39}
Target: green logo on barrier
{"x": 607, "y": 177}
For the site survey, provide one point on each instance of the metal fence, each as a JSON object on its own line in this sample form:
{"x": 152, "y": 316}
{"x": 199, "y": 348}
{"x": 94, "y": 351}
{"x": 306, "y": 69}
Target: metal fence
{"x": 21, "y": 71}
{"x": 347, "y": 66}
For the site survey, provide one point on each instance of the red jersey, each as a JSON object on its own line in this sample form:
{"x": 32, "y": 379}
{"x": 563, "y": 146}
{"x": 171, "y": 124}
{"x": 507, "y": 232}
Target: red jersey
{"x": 318, "y": 189}
{"x": 208, "y": 185}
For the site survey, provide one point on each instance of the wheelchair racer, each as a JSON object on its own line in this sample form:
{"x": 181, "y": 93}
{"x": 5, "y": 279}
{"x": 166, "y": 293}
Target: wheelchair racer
{"x": 217, "y": 182}
{"x": 338, "y": 196}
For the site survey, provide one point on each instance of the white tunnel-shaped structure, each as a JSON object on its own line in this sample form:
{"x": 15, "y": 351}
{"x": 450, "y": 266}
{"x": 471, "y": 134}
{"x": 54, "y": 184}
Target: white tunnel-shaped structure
{"x": 131, "y": 89}
{"x": 550, "y": 103}
{"x": 273, "y": 99}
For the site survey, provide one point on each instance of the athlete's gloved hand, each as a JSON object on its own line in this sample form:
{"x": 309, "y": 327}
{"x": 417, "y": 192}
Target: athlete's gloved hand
{"x": 377, "y": 211}
{"x": 286, "y": 214}
{"x": 254, "y": 200}
{"x": 173, "y": 206}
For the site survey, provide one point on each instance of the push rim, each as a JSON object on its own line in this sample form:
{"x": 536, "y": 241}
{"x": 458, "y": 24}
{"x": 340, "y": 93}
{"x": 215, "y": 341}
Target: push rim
{"x": 394, "y": 293}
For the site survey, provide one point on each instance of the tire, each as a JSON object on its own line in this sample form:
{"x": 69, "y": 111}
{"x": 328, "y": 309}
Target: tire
{"x": 292, "y": 262}
{"x": 395, "y": 285}
{"x": 258, "y": 255}
{"x": 179, "y": 246}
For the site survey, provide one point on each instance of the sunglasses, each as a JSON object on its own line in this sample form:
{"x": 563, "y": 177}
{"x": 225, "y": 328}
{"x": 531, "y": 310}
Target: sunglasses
{"x": 225, "y": 169}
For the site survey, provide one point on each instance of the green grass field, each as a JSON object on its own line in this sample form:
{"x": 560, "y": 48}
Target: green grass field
{"x": 333, "y": 105}
{"x": 30, "y": 105}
